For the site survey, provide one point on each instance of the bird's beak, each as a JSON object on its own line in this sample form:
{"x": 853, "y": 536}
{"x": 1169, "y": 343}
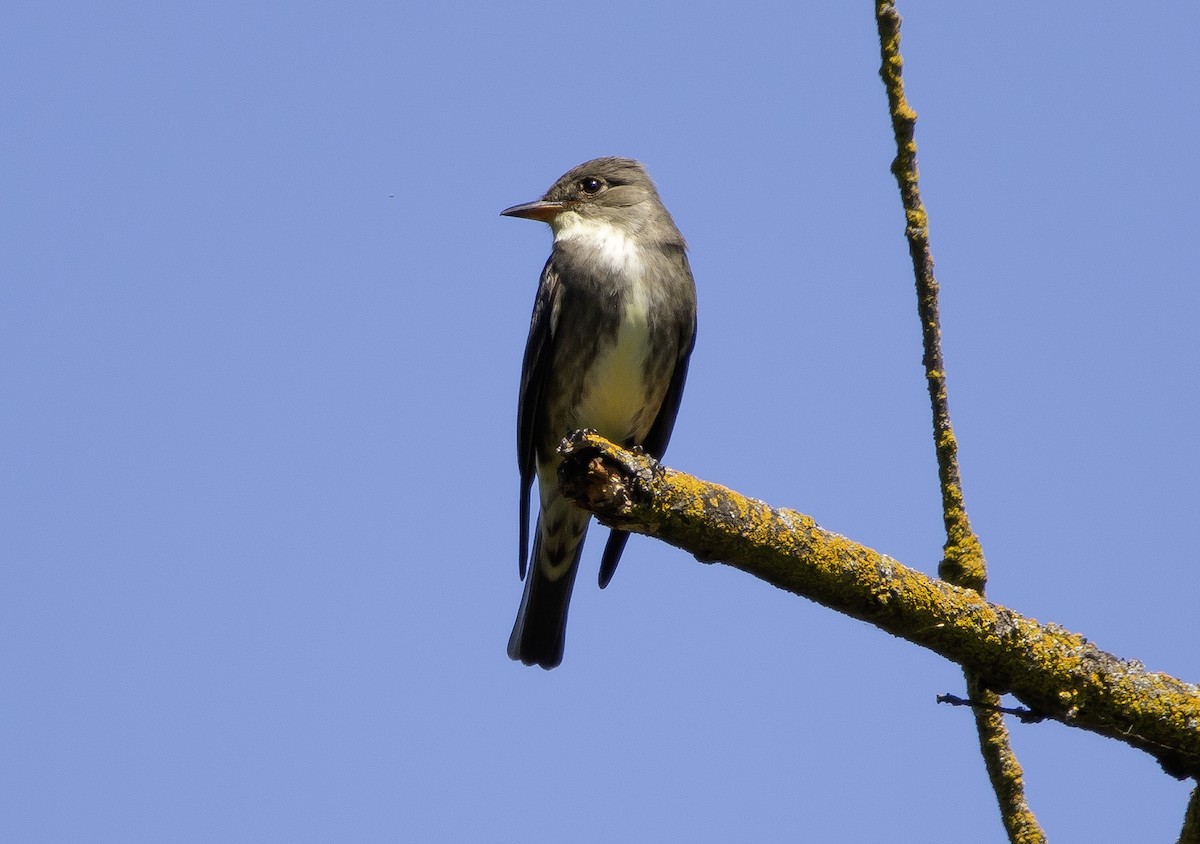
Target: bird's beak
{"x": 540, "y": 210}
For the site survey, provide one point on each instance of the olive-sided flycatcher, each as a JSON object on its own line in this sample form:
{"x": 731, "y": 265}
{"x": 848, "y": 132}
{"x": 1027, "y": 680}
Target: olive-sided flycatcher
{"x": 613, "y": 326}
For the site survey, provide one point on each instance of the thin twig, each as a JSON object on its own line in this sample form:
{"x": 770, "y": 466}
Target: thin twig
{"x": 1027, "y": 716}
{"x": 962, "y": 560}
{"x": 963, "y": 564}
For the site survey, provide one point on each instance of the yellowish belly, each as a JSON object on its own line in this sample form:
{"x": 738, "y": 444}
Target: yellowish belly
{"x": 615, "y": 391}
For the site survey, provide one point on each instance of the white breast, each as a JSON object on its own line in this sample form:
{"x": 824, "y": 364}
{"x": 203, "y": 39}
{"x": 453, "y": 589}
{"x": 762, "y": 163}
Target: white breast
{"x": 614, "y": 396}
{"x": 609, "y": 243}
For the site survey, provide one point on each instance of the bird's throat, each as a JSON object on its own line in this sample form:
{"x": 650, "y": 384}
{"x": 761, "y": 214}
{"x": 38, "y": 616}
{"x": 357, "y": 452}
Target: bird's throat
{"x": 610, "y": 245}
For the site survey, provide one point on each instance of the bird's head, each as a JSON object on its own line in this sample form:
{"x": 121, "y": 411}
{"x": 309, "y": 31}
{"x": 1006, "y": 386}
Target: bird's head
{"x": 613, "y": 191}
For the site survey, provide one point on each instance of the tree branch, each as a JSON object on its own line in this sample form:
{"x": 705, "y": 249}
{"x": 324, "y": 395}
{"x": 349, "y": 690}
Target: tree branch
{"x": 1190, "y": 834}
{"x": 962, "y": 562}
{"x": 1054, "y": 672}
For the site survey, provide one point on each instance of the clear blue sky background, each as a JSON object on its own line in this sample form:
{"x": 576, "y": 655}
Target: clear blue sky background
{"x": 261, "y": 335}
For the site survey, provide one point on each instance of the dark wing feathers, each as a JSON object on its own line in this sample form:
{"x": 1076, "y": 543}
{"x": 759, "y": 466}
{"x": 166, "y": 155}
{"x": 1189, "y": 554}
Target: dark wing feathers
{"x": 655, "y": 443}
{"x": 612, "y": 555}
{"x": 534, "y": 369}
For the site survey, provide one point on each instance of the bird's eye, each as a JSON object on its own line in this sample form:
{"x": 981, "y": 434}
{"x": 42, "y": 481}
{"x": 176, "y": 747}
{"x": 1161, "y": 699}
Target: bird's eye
{"x": 590, "y": 185}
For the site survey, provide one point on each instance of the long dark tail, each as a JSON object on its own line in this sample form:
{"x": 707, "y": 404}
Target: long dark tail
{"x": 540, "y": 630}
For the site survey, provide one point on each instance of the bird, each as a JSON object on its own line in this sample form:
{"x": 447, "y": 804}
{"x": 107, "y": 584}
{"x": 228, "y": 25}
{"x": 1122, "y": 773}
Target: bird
{"x": 612, "y": 331}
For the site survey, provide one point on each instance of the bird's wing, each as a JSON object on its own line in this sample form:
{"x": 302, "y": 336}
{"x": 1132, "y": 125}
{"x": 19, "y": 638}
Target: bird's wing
{"x": 655, "y": 445}
{"x": 534, "y": 369}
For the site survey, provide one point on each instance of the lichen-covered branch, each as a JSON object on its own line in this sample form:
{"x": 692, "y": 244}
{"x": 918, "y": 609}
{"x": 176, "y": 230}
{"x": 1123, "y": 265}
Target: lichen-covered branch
{"x": 1056, "y": 673}
{"x": 1004, "y": 771}
{"x": 1190, "y": 834}
{"x": 962, "y": 562}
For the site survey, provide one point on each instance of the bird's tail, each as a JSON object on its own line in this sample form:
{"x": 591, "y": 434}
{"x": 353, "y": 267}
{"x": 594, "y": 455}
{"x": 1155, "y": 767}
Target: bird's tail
{"x": 540, "y": 629}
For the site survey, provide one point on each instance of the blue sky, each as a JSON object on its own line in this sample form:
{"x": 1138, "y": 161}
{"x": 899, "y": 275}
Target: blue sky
{"x": 261, "y": 335}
